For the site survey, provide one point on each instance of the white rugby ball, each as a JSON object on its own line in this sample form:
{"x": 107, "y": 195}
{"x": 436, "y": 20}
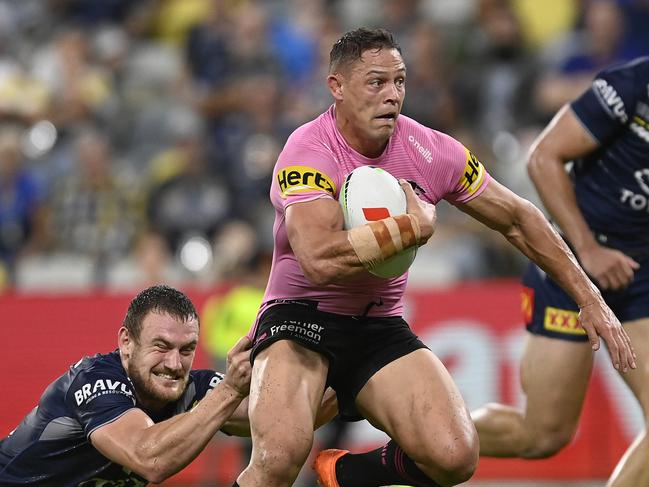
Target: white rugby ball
{"x": 369, "y": 194}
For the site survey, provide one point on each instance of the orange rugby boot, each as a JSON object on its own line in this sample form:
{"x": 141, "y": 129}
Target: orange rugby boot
{"x": 325, "y": 467}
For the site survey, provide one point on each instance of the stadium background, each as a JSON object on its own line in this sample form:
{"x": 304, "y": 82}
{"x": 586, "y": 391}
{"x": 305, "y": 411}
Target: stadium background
{"x": 136, "y": 142}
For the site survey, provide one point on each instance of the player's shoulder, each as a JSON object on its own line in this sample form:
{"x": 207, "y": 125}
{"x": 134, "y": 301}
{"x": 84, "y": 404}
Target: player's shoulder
{"x": 626, "y": 79}
{"x": 100, "y": 367}
{"x": 638, "y": 67}
{"x": 100, "y": 370}
{"x": 311, "y": 133}
{"x": 431, "y": 145}
{"x": 99, "y": 363}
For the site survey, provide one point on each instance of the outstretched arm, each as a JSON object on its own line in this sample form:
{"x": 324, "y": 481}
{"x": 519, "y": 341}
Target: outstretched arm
{"x": 157, "y": 451}
{"x": 566, "y": 139}
{"x": 527, "y": 229}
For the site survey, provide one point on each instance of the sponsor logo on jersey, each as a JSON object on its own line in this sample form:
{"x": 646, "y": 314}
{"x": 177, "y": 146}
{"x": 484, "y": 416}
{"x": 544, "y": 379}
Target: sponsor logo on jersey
{"x": 303, "y": 179}
{"x": 611, "y": 101}
{"x": 637, "y": 201}
{"x": 310, "y": 331}
{"x": 527, "y": 304}
{"x": 562, "y": 321}
{"x": 101, "y": 387}
{"x": 473, "y": 174}
{"x": 424, "y": 151}
{"x": 642, "y": 176}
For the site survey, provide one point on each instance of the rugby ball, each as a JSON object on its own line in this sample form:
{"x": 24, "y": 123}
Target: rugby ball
{"x": 369, "y": 194}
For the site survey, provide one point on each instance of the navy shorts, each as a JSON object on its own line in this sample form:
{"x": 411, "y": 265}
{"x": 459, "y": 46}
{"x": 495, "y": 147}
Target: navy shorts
{"x": 549, "y": 311}
{"x": 356, "y": 346}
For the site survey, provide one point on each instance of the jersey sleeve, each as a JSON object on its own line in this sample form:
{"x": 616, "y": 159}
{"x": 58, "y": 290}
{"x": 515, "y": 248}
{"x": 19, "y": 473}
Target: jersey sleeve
{"x": 469, "y": 177}
{"x": 98, "y": 396}
{"x": 604, "y": 108}
{"x": 304, "y": 172}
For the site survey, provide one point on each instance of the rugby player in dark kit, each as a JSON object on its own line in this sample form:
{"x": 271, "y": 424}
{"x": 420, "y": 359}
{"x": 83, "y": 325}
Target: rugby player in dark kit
{"x": 136, "y": 415}
{"x": 602, "y": 209}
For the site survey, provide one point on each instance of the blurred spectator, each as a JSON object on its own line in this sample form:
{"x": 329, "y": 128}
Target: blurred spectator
{"x": 636, "y": 39}
{"x": 93, "y": 212}
{"x": 497, "y": 72}
{"x": 21, "y": 203}
{"x": 249, "y": 72}
{"x": 430, "y": 79}
{"x": 575, "y": 59}
{"x": 95, "y": 12}
{"x": 79, "y": 88}
{"x": 544, "y": 22}
{"x": 189, "y": 201}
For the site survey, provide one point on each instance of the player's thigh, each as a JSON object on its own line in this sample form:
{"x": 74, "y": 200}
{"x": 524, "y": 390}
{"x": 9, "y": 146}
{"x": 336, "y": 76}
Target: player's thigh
{"x": 288, "y": 382}
{"x": 415, "y": 401}
{"x": 638, "y": 379}
{"x": 554, "y": 377}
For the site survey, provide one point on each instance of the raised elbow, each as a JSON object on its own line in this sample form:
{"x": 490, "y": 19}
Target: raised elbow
{"x": 535, "y": 164}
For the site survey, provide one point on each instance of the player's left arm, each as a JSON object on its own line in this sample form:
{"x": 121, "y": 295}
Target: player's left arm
{"x": 525, "y": 227}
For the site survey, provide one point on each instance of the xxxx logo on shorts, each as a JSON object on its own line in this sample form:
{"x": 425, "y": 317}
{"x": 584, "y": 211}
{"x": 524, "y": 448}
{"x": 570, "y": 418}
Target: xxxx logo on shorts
{"x": 527, "y": 303}
{"x": 303, "y": 179}
{"x": 473, "y": 174}
{"x": 562, "y": 321}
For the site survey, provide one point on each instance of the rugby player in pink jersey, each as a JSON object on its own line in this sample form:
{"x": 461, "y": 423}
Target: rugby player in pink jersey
{"x": 326, "y": 321}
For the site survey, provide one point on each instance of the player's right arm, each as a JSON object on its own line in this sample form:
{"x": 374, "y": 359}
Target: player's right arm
{"x": 563, "y": 140}
{"x": 329, "y": 254}
{"x": 157, "y": 451}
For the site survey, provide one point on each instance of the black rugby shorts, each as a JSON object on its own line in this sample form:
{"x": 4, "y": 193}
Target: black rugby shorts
{"x": 356, "y": 346}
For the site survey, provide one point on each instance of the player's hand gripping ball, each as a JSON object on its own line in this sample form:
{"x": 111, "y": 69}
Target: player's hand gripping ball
{"x": 371, "y": 194}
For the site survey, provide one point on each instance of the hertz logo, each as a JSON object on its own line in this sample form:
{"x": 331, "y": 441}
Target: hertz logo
{"x": 562, "y": 321}
{"x": 473, "y": 174}
{"x": 302, "y": 179}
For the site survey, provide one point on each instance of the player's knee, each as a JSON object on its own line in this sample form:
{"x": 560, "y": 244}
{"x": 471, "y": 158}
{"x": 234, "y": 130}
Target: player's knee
{"x": 548, "y": 443}
{"x": 460, "y": 465}
{"x": 451, "y": 462}
{"x": 281, "y": 464}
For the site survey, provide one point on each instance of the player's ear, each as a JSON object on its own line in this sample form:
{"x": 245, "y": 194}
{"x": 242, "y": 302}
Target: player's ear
{"x": 125, "y": 342}
{"x": 334, "y": 82}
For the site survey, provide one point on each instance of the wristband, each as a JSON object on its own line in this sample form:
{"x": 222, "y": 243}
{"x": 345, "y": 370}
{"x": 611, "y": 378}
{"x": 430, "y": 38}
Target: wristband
{"x": 379, "y": 240}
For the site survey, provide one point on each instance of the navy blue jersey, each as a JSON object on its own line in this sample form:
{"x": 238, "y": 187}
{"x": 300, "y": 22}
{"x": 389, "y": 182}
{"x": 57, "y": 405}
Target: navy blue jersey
{"x": 612, "y": 183}
{"x": 51, "y": 446}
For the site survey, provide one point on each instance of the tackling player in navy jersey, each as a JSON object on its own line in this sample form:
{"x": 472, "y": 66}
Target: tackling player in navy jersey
{"x": 122, "y": 418}
{"x": 602, "y": 208}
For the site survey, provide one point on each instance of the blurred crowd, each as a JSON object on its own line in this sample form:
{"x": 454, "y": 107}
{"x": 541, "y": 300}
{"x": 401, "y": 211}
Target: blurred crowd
{"x": 137, "y": 137}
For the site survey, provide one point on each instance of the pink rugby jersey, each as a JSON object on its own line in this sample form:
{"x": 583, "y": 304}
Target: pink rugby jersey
{"x": 314, "y": 164}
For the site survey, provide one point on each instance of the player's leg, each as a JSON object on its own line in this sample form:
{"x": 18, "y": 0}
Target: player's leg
{"x": 633, "y": 468}
{"x": 554, "y": 372}
{"x": 403, "y": 389}
{"x": 414, "y": 400}
{"x": 554, "y": 378}
{"x": 288, "y": 381}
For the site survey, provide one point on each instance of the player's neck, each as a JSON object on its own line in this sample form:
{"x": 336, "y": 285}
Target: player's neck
{"x": 368, "y": 147}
